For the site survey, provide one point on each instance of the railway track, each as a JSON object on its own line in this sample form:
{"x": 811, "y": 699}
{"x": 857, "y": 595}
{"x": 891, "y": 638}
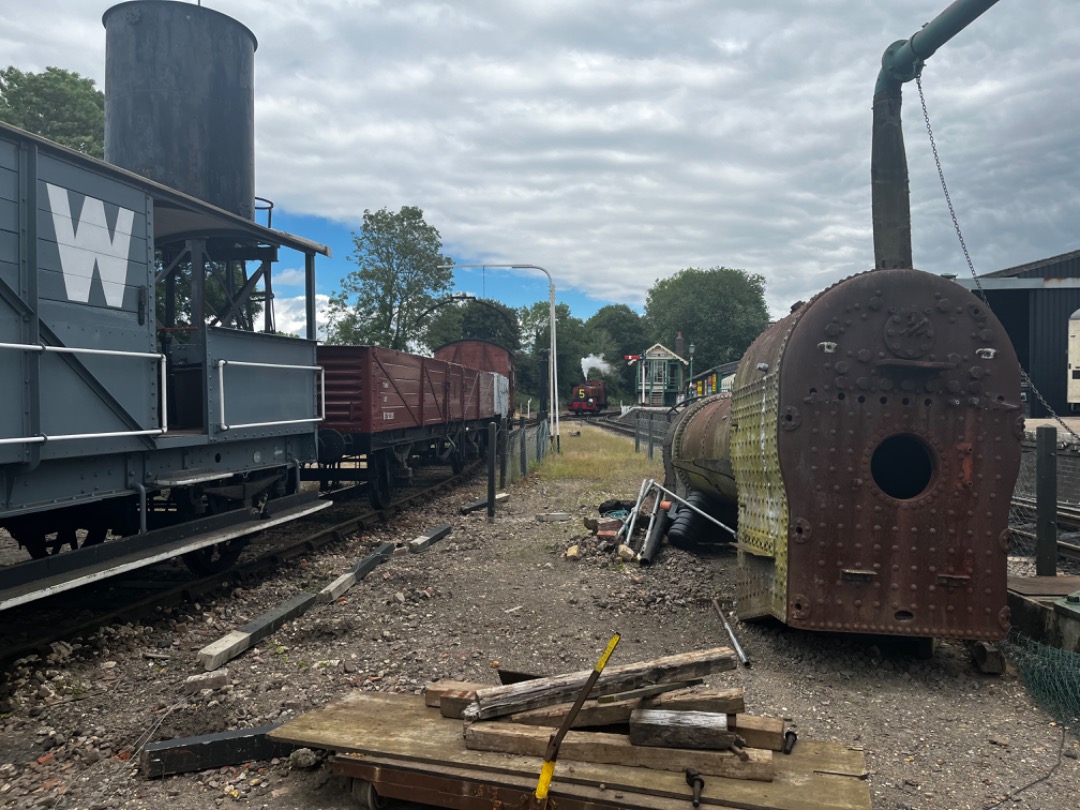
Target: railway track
{"x": 612, "y": 424}
{"x": 1068, "y": 518}
{"x": 34, "y": 627}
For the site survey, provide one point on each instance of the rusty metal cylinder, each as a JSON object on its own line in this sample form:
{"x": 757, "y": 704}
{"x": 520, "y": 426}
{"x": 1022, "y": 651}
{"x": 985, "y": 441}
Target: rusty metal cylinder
{"x": 871, "y": 442}
{"x": 180, "y": 100}
{"x": 699, "y": 442}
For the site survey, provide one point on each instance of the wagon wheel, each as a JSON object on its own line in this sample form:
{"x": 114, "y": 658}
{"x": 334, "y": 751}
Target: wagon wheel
{"x": 95, "y": 535}
{"x": 457, "y": 455}
{"x": 35, "y": 544}
{"x": 380, "y": 483}
{"x": 457, "y": 462}
{"x": 38, "y": 545}
{"x": 367, "y": 797}
{"x": 216, "y": 558}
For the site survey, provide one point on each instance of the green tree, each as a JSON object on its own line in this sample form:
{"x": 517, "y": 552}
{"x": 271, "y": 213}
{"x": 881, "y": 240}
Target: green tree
{"x": 625, "y": 334}
{"x": 571, "y": 342}
{"x": 398, "y": 277}
{"x": 56, "y": 104}
{"x": 720, "y": 310}
{"x": 473, "y": 319}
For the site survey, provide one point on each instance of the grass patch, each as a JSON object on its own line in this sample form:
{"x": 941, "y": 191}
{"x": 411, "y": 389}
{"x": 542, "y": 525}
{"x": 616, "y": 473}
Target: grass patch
{"x": 600, "y": 456}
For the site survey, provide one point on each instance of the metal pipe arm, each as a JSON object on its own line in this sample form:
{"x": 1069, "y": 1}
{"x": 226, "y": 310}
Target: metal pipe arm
{"x": 903, "y": 60}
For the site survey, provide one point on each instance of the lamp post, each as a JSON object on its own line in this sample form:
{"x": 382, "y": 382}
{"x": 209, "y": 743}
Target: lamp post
{"x": 553, "y": 366}
{"x": 692, "y": 367}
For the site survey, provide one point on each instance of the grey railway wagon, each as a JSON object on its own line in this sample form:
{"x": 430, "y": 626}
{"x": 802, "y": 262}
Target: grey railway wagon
{"x": 103, "y": 406}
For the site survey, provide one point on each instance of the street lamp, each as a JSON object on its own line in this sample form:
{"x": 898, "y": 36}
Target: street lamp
{"x": 553, "y": 366}
{"x": 691, "y": 361}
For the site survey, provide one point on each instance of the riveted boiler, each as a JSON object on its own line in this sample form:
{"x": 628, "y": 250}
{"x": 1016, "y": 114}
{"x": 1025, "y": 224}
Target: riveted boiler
{"x": 871, "y": 440}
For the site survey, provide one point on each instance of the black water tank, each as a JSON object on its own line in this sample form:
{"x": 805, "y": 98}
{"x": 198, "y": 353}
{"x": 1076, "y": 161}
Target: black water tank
{"x": 180, "y": 99}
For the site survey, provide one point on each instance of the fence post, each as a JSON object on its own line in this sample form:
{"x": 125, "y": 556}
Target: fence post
{"x": 525, "y": 447}
{"x": 1046, "y": 501}
{"x": 504, "y": 442}
{"x": 651, "y": 425}
{"x": 637, "y": 433}
{"x": 493, "y": 451}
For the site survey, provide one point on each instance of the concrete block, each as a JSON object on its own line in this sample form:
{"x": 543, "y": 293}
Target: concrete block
{"x": 553, "y": 517}
{"x": 224, "y": 649}
{"x": 228, "y": 647}
{"x": 205, "y": 680}
{"x": 427, "y": 538}
{"x": 336, "y": 588}
{"x": 382, "y": 553}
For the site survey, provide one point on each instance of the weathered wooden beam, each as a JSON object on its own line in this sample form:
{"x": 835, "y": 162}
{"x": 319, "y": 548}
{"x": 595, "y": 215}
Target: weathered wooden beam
{"x": 664, "y": 728}
{"x": 434, "y": 691}
{"x": 497, "y": 701}
{"x": 188, "y": 754}
{"x": 591, "y": 714}
{"x": 758, "y": 732}
{"x": 595, "y": 713}
{"x": 729, "y": 701}
{"x": 615, "y": 749}
{"x": 650, "y": 691}
{"x": 454, "y": 702}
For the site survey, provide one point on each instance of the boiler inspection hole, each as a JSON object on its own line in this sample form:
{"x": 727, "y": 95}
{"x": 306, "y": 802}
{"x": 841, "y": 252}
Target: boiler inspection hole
{"x": 903, "y": 466}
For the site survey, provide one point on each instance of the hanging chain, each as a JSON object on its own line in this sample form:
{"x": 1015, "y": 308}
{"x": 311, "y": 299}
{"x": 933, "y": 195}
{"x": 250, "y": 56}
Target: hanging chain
{"x": 967, "y": 256}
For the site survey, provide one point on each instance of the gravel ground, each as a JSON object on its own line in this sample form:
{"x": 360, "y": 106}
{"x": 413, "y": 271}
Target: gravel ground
{"x": 936, "y": 733}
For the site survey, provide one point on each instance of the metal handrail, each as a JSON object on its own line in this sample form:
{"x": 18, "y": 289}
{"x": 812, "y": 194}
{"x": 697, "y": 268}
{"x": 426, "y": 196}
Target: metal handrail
{"x": 221, "y": 388}
{"x": 44, "y": 437}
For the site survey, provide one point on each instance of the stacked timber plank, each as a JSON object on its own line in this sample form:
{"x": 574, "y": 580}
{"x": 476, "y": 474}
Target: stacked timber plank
{"x": 619, "y": 754}
{"x": 642, "y": 714}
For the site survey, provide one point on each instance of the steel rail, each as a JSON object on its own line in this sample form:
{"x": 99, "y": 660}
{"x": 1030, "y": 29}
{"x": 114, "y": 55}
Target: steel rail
{"x": 267, "y": 559}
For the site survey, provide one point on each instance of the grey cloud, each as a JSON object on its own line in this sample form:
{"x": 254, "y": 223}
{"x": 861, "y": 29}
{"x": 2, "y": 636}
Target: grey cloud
{"x": 617, "y": 142}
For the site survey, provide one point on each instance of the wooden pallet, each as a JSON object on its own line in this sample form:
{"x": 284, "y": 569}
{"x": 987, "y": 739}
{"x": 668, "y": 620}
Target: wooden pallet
{"x": 407, "y": 750}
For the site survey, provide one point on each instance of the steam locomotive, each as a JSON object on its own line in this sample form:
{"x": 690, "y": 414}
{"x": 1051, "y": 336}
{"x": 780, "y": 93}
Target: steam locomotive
{"x": 587, "y": 398}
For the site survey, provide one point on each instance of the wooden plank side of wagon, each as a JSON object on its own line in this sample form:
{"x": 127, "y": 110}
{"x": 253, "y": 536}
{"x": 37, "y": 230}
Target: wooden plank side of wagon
{"x": 816, "y": 776}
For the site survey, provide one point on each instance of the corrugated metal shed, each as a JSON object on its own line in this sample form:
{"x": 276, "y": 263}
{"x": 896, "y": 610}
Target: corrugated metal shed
{"x": 1034, "y": 302}
{"x": 1067, "y": 265}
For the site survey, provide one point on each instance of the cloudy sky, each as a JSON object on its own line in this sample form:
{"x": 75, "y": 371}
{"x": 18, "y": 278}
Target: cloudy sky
{"x": 615, "y": 142}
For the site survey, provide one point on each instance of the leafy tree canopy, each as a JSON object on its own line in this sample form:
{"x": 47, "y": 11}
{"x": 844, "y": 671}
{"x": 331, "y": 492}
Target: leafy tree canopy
{"x": 619, "y": 331}
{"x": 572, "y": 343}
{"x": 56, "y": 104}
{"x": 720, "y": 310}
{"x": 398, "y": 278}
{"x": 473, "y": 319}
